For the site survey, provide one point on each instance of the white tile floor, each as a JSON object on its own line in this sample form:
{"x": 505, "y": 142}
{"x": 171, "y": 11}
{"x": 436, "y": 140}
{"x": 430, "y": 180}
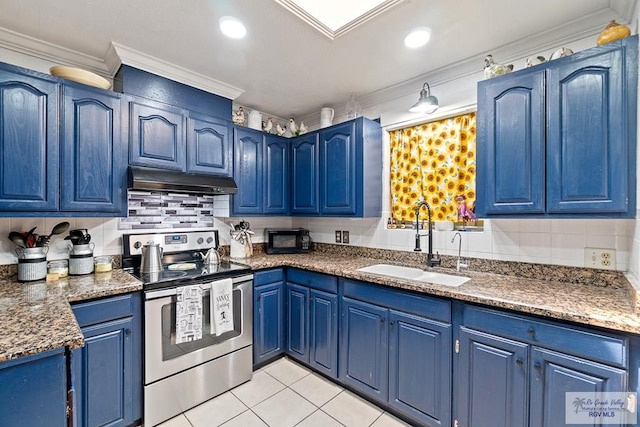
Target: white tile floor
{"x": 284, "y": 394}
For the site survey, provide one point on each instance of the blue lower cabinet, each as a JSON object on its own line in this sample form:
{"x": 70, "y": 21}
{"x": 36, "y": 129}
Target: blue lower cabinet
{"x": 554, "y": 374}
{"x": 491, "y": 381}
{"x": 297, "y": 322}
{"x": 268, "y": 317}
{"x": 364, "y": 347}
{"x": 323, "y": 332}
{"x": 420, "y": 368}
{"x": 106, "y": 374}
{"x": 33, "y": 390}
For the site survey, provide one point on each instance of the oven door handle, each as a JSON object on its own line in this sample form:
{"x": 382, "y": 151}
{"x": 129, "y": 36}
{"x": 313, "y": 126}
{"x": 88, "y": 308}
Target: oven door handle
{"x": 162, "y": 293}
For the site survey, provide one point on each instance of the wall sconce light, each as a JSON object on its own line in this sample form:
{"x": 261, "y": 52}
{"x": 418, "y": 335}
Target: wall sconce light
{"x": 427, "y": 102}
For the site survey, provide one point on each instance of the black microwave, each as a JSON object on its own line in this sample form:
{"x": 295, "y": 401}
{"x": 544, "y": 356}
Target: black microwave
{"x": 287, "y": 240}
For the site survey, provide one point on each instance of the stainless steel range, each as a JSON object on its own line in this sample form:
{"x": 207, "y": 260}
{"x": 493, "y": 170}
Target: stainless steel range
{"x": 194, "y": 349}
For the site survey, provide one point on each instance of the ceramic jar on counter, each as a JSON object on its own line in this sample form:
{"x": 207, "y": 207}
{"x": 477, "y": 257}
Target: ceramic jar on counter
{"x": 81, "y": 259}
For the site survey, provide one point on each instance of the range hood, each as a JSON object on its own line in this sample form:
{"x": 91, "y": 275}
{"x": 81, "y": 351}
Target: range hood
{"x": 151, "y": 179}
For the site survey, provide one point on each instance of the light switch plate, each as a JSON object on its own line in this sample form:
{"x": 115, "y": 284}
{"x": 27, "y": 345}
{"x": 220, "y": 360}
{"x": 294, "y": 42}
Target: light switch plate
{"x": 345, "y": 237}
{"x": 338, "y": 236}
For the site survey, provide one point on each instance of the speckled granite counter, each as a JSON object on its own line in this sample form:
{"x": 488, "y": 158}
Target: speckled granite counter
{"x": 609, "y": 306}
{"x": 37, "y": 316}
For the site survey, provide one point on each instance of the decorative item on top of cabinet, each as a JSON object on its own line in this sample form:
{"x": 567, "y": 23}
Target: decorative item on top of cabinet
{"x": 238, "y": 116}
{"x": 302, "y": 129}
{"x": 255, "y": 120}
{"x": 561, "y": 53}
{"x": 492, "y": 69}
{"x": 613, "y": 32}
{"x": 293, "y": 127}
{"x": 268, "y": 125}
{"x": 534, "y": 60}
{"x": 280, "y": 131}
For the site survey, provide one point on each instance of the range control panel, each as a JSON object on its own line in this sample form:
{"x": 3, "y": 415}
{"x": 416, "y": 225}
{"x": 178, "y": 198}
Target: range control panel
{"x": 171, "y": 242}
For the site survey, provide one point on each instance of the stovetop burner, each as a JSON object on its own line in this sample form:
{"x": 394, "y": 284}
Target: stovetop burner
{"x": 201, "y": 274}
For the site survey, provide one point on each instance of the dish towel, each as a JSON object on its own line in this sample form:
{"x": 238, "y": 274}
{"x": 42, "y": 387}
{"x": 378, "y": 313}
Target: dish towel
{"x": 188, "y": 314}
{"x": 221, "y": 306}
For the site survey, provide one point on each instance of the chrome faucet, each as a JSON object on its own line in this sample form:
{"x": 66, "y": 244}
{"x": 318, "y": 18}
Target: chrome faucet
{"x": 431, "y": 258}
{"x": 459, "y": 264}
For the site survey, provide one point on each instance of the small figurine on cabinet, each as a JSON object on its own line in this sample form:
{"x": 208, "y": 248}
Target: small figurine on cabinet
{"x": 293, "y": 127}
{"x": 268, "y": 125}
{"x": 238, "y": 116}
{"x": 535, "y": 60}
{"x": 280, "y": 130}
{"x": 302, "y": 129}
{"x": 491, "y": 69}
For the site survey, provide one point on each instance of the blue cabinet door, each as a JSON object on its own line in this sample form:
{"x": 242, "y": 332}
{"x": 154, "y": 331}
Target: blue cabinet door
{"x": 33, "y": 390}
{"x": 247, "y": 171}
{"x": 208, "y": 146}
{"x": 93, "y": 153}
{"x": 268, "y": 319}
{"x": 364, "y": 349}
{"x": 338, "y": 170}
{"x": 305, "y": 175}
{"x": 156, "y": 135}
{"x": 420, "y": 368}
{"x": 103, "y": 368}
{"x": 323, "y": 332}
{"x": 588, "y": 139}
{"x": 28, "y": 143}
{"x": 511, "y": 145}
{"x": 554, "y": 374}
{"x": 276, "y": 176}
{"x": 491, "y": 381}
{"x": 297, "y": 298}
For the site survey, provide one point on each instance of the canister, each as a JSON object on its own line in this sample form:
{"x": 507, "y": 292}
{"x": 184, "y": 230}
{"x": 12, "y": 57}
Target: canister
{"x": 59, "y": 267}
{"x": 32, "y": 263}
{"x": 103, "y": 263}
{"x": 81, "y": 259}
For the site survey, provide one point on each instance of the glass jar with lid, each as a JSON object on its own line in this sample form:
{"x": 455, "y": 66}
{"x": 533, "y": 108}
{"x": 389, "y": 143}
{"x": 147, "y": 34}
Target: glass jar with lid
{"x": 103, "y": 263}
{"x": 59, "y": 267}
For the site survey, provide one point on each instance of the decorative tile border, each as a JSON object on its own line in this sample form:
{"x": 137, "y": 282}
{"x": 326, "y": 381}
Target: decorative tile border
{"x": 157, "y": 210}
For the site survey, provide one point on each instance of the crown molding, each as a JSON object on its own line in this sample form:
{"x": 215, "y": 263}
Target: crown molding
{"x": 137, "y": 59}
{"x": 328, "y": 32}
{"x": 50, "y": 52}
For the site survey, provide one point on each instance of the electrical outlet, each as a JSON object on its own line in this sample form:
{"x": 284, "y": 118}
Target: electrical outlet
{"x": 602, "y": 258}
{"x": 338, "y": 236}
{"x": 345, "y": 237}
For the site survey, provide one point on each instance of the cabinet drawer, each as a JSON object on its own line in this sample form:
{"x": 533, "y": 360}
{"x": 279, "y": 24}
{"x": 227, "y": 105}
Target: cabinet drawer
{"x": 319, "y": 281}
{"x": 408, "y": 302}
{"x": 591, "y": 344}
{"x": 268, "y": 276}
{"x": 102, "y": 310}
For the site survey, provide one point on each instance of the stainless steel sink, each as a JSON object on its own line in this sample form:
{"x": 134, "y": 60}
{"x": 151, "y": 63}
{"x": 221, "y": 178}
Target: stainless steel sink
{"x": 415, "y": 274}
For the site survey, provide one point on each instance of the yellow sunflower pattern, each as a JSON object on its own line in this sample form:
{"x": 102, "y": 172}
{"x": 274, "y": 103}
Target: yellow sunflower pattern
{"x": 436, "y": 161}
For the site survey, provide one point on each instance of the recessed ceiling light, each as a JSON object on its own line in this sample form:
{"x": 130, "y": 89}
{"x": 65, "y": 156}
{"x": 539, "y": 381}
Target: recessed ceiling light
{"x": 232, "y": 27}
{"x": 417, "y": 37}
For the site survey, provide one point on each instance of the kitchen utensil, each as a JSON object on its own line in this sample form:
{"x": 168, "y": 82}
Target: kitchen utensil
{"x": 29, "y": 238}
{"x": 151, "y": 260}
{"x": 17, "y": 239}
{"x": 79, "y": 236}
{"x": 211, "y": 257}
{"x": 59, "y": 228}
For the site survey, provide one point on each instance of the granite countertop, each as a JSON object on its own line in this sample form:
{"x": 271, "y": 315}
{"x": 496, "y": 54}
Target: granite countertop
{"x": 611, "y": 306}
{"x": 37, "y": 316}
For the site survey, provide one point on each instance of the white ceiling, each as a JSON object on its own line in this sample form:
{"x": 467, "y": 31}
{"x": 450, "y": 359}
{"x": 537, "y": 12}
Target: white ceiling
{"x": 286, "y": 67}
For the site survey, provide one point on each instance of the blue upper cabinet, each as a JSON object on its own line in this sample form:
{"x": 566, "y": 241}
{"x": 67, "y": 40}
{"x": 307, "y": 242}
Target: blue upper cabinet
{"x": 559, "y": 139}
{"x": 247, "y": 171}
{"x": 276, "y": 176}
{"x": 28, "y": 142}
{"x": 511, "y": 165}
{"x": 305, "y": 175}
{"x": 351, "y": 169}
{"x": 93, "y": 153}
{"x": 156, "y": 135}
{"x": 208, "y": 145}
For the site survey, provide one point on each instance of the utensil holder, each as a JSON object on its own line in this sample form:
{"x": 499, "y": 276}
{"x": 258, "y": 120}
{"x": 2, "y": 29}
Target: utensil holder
{"x": 32, "y": 269}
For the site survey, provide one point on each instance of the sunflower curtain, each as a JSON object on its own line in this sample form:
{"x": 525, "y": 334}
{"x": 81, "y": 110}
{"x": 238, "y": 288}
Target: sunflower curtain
{"x": 436, "y": 161}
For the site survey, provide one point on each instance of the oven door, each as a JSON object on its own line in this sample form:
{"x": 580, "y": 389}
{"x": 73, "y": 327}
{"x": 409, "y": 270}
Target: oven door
{"x": 163, "y": 357}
